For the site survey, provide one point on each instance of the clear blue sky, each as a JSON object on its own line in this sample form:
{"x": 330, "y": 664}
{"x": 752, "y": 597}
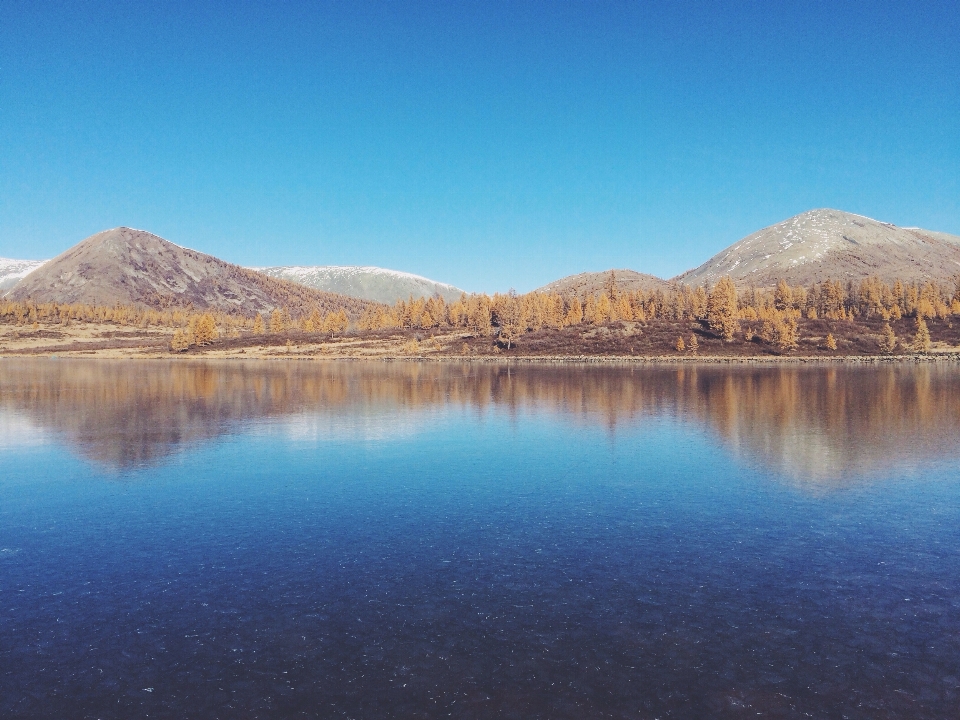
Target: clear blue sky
{"x": 491, "y": 145}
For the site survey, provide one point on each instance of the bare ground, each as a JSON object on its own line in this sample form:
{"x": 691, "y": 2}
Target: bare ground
{"x": 616, "y": 341}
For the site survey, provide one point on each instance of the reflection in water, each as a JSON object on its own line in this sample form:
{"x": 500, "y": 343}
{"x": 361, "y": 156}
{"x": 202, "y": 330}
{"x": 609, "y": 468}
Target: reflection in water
{"x": 495, "y": 558}
{"x": 817, "y": 425}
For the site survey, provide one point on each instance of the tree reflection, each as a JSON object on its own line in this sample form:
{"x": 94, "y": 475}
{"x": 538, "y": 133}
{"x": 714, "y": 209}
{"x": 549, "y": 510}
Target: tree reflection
{"x": 821, "y": 426}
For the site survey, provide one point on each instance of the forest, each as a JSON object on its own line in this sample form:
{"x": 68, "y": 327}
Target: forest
{"x": 868, "y": 317}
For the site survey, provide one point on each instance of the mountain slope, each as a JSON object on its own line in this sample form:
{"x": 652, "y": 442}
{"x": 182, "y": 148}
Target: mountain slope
{"x": 368, "y": 283}
{"x": 590, "y": 283}
{"x": 129, "y": 266}
{"x": 821, "y": 244}
{"x": 13, "y": 271}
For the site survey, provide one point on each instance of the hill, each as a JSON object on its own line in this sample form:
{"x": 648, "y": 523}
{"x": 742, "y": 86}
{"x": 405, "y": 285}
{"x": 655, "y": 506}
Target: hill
{"x": 135, "y": 267}
{"x": 590, "y": 283}
{"x": 13, "y": 271}
{"x": 368, "y": 283}
{"x": 821, "y": 244}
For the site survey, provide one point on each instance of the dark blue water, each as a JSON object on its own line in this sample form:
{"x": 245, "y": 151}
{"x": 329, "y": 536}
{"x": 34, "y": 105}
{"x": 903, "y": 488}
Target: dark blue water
{"x": 408, "y": 541}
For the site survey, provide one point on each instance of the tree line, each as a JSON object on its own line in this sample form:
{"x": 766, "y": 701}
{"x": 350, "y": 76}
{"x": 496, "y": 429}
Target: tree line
{"x": 772, "y": 314}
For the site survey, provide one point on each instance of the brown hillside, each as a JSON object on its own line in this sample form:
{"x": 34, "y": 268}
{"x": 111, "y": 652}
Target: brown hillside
{"x": 134, "y": 267}
{"x": 591, "y": 283}
{"x": 829, "y": 244}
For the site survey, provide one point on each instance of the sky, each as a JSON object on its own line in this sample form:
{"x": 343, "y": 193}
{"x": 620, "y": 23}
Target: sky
{"x": 492, "y": 145}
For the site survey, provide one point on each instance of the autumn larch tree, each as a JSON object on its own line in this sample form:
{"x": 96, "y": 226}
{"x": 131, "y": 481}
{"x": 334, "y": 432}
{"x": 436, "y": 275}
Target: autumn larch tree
{"x": 888, "y": 340}
{"x": 180, "y": 341}
{"x": 722, "y": 309}
{"x": 204, "y": 329}
{"x": 783, "y": 296}
{"x": 699, "y": 303}
{"x": 511, "y": 318}
{"x": 787, "y": 334}
{"x": 921, "y": 341}
{"x": 277, "y": 323}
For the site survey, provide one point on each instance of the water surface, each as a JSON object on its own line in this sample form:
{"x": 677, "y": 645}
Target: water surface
{"x": 302, "y": 539}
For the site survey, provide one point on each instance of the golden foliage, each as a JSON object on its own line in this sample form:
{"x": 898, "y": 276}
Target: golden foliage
{"x": 180, "y": 341}
{"x": 921, "y": 341}
{"x": 888, "y": 340}
{"x": 722, "y": 309}
{"x": 203, "y": 329}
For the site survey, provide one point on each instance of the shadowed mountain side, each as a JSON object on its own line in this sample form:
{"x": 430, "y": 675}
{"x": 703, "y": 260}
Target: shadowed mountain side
{"x": 591, "y": 283}
{"x": 368, "y": 283}
{"x": 820, "y": 427}
{"x": 830, "y": 244}
{"x": 134, "y": 267}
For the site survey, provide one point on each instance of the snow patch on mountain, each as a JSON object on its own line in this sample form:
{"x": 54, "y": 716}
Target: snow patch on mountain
{"x": 364, "y": 281}
{"x": 825, "y": 243}
{"x": 13, "y": 271}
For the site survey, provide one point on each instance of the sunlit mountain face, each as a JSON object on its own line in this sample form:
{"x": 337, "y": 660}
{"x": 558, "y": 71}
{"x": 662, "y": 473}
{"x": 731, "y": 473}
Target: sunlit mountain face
{"x": 818, "y": 427}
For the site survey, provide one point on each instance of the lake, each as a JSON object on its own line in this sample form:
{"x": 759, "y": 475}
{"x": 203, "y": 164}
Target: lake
{"x": 414, "y": 540}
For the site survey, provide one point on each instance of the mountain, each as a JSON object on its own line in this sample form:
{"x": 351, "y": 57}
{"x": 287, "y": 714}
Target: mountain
{"x": 13, "y": 271}
{"x": 129, "y": 266}
{"x": 368, "y": 283}
{"x": 590, "y": 283}
{"x": 821, "y": 244}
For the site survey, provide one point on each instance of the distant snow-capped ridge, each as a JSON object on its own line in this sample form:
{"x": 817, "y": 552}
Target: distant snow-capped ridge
{"x": 365, "y": 282}
{"x": 13, "y": 271}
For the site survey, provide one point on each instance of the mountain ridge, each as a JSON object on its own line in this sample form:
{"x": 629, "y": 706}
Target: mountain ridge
{"x": 805, "y": 249}
{"x": 127, "y": 266}
{"x": 364, "y": 281}
{"x": 832, "y": 244}
{"x": 590, "y": 283}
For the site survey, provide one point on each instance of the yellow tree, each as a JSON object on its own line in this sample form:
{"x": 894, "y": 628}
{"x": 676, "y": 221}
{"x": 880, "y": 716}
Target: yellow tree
{"x": 315, "y": 319}
{"x": 511, "y": 318}
{"x": 888, "y": 340}
{"x": 277, "y": 323}
{"x": 479, "y": 314}
{"x": 180, "y": 341}
{"x": 258, "y": 324}
{"x": 574, "y": 314}
{"x": 921, "y": 341}
{"x": 457, "y": 312}
{"x": 204, "y": 329}
{"x": 698, "y": 303}
{"x": 335, "y": 322}
{"x": 787, "y": 334}
{"x": 601, "y": 310}
{"x": 722, "y": 309}
{"x": 783, "y": 296}
{"x": 343, "y": 322}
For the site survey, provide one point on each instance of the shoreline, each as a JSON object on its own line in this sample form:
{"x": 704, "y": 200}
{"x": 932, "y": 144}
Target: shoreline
{"x": 649, "y": 360}
{"x": 586, "y": 348}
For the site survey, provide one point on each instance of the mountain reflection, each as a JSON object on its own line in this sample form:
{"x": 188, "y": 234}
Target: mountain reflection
{"x": 822, "y": 426}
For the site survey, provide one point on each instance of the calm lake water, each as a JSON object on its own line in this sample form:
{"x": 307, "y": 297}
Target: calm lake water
{"x": 348, "y": 540}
